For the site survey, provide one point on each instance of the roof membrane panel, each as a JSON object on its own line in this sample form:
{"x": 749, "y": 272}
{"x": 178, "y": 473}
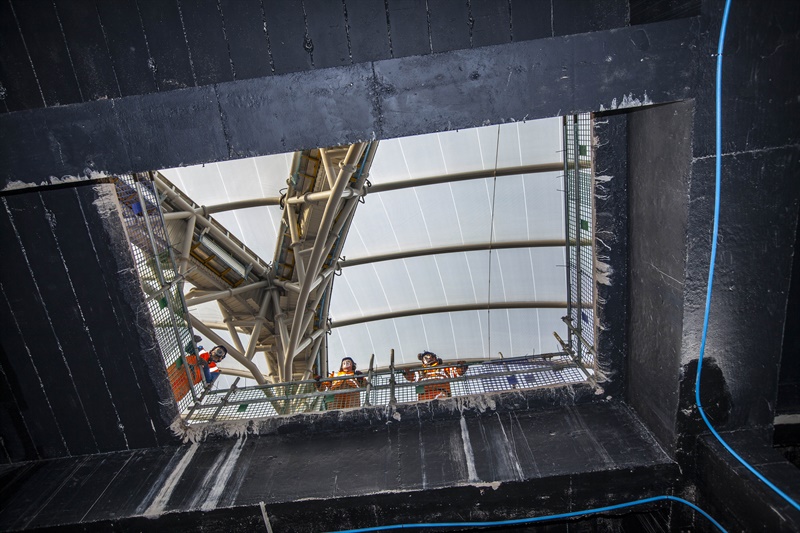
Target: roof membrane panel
{"x": 460, "y": 335}
{"x": 484, "y": 212}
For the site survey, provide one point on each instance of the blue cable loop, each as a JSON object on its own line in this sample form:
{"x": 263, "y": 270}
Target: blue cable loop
{"x": 718, "y": 172}
{"x": 573, "y": 514}
{"x": 540, "y": 518}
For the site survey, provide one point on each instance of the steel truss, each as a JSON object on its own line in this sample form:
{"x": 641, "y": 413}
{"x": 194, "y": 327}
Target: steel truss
{"x": 281, "y": 306}
{"x": 579, "y": 224}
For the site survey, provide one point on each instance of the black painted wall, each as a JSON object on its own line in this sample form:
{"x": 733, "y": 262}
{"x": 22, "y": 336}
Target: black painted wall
{"x": 646, "y": 11}
{"x": 659, "y": 158}
{"x": 789, "y": 385}
{"x": 530, "y": 72}
{"x": 728, "y": 490}
{"x": 452, "y": 460}
{"x": 611, "y": 245}
{"x": 78, "y": 353}
{"x": 383, "y": 99}
{"x": 670, "y": 226}
{"x": 758, "y": 215}
{"x": 67, "y": 51}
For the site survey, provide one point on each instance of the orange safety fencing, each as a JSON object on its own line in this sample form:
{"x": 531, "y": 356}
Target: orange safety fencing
{"x": 178, "y": 378}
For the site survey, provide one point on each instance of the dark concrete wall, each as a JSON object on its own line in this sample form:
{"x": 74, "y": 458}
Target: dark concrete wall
{"x": 728, "y": 490}
{"x": 758, "y": 215}
{"x": 751, "y": 283}
{"x": 68, "y": 52}
{"x": 645, "y": 11}
{"x": 321, "y": 107}
{"x": 789, "y": 385}
{"x": 659, "y": 159}
{"x": 150, "y": 124}
{"x": 77, "y": 353}
{"x": 455, "y": 460}
{"x": 611, "y": 246}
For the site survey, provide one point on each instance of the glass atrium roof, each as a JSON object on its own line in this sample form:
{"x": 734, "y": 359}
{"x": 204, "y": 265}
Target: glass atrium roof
{"x": 508, "y": 233}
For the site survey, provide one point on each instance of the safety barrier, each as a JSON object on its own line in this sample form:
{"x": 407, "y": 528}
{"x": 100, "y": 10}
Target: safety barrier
{"x": 387, "y": 386}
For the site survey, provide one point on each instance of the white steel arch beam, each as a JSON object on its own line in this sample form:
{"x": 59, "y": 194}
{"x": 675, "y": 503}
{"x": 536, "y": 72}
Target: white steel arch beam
{"x": 377, "y": 258}
{"x": 472, "y": 175}
{"x": 450, "y": 309}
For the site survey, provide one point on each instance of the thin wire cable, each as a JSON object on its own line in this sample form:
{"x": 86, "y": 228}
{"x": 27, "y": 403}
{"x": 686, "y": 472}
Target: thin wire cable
{"x": 541, "y": 518}
{"x": 491, "y": 241}
{"x": 718, "y": 180}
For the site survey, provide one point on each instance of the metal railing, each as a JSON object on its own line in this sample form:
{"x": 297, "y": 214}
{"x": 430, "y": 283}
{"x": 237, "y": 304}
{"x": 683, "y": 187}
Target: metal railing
{"x": 161, "y": 283}
{"x": 579, "y": 223}
{"x": 387, "y": 386}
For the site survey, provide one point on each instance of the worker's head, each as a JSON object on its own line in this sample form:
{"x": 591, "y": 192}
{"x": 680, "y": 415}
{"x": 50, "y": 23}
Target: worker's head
{"x": 218, "y": 353}
{"x": 348, "y": 365}
{"x": 429, "y": 358}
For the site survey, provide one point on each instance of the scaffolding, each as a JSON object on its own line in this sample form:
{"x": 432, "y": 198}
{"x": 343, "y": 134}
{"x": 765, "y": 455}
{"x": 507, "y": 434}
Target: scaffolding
{"x": 240, "y": 272}
{"x": 385, "y": 387}
{"x": 162, "y": 286}
{"x": 579, "y": 224}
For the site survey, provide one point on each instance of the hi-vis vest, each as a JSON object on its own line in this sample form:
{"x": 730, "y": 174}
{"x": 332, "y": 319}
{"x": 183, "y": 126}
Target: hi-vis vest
{"x": 344, "y": 383}
{"x": 437, "y": 372}
{"x": 212, "y": 366}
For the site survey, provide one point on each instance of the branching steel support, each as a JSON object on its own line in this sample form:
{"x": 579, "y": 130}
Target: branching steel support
{"x": 226, "y": 318}
{"x": 186, "y": 249}
{"x": 205, "y": 210}
{"x": 315, "y": 262}
{"x": 233, "y": 352}
{"x": 259, "y": 324}
{"x": 226, "y": 293}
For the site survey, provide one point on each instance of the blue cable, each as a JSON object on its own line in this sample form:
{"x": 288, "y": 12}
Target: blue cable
{"x": 699, "y": 365}
{"x": 540, "y": 518}
{"x": 720, "y": 47}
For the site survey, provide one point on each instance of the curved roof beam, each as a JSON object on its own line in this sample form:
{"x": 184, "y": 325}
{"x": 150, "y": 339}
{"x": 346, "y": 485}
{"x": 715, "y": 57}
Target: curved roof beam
{"x": 241, "y": 204}
{"x": 206, "y": 210}
{"x": 452, "y": 309}
{"x": 543, "y": 243}
{"x": 472, "y": 175}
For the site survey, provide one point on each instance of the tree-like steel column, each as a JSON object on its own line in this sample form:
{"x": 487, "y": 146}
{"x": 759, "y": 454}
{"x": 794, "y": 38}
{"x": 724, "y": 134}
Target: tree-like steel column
{"x": 315, "y": 261}
{"x": 282, "y": 306}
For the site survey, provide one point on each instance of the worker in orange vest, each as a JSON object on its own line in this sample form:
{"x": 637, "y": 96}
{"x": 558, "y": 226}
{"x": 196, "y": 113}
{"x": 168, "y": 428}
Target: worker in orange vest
{"x": 345, "y": 400}
{"x": 433, "y": 369}
{"x": 208, "y": 362}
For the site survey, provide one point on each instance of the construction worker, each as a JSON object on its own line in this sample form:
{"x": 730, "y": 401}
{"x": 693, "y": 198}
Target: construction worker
{"x": 345, "y": 400}
{"x": 208, "y": 362}
{"x": 433, "y": 369}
